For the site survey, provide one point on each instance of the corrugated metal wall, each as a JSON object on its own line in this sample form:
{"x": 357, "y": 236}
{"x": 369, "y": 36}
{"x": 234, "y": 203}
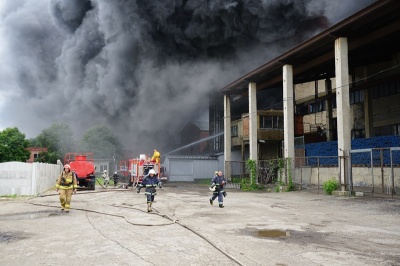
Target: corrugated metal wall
{"x": 187, "y": 169}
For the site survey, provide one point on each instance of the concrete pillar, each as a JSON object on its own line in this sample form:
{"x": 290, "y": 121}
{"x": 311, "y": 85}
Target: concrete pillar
{"x": 343, "y": 108}
{"x": 253, "y": 121}
{"x": 328, "y": 104}
{"x": 227, "y": 136}
{"x": 288, "y": 112}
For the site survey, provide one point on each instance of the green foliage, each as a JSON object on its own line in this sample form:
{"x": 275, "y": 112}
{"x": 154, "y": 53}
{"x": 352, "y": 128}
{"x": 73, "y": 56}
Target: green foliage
{"x": 58, "y": 139}
{"x": 250, "y": 184}
{"x": 13, "y": 146}
{"x": 330, "y": 185}
{"x": 281, "y": 168}
{"x": 206, "y": 181}
{"x": 100, "y": 179}
{"x": 236, "y": 179}
{"x": 281, "y": 165}
{"x": 13, "y": 196}
{"x": 102, "y": 142}
{"x": 290, "y": 186}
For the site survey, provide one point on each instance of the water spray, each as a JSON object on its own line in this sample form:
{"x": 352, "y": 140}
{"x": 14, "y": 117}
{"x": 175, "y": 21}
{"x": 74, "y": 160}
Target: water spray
{"x": 194, "y": 143}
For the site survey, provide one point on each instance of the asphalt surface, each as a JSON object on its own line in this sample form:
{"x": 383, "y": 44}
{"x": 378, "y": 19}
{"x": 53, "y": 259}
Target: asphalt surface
{"x": 112, "y": 227}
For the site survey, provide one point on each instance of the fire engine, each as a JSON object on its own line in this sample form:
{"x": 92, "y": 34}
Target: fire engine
{"x": 137, "y": 168}
{"x": 82, "y": 165}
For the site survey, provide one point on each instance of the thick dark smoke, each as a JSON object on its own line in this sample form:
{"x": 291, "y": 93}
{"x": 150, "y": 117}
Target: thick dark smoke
{"x": 142, "y": 67}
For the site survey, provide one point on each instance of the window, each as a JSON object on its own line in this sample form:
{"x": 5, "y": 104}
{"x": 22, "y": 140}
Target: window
{"x": 387, "y": 130}
{"x": 35, "y": 155}
{"x": 311, "y": 108}
{"x": 103, "y": 167}
{"x": 271, "y": 122}
{"x": 234, "y": 131}
{"x": 386, "y": 89}
{"x": 356, "y": 97}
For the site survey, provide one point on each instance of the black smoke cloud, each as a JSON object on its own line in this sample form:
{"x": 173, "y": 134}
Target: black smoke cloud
{"x": 144, "y": 68}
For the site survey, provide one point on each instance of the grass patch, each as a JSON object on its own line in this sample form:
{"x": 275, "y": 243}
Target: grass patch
{"x": 101, "y": 180}
{"x": 13, "y": 196}
{"x": 206, "y": 181}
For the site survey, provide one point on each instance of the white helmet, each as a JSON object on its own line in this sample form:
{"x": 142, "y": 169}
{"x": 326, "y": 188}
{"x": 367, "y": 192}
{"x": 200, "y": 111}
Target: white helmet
{"x": 105, "y": 171}
{"x": 152, "y": 171}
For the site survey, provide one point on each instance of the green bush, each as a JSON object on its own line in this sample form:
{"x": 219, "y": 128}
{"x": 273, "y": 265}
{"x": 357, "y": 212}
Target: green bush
{"x": 330, "y": 185}
{"x": 250, "y": 184}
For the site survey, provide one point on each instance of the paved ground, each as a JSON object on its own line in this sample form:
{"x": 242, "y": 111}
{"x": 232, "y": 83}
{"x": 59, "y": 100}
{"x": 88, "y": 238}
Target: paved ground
{"x": 112, "y": 227}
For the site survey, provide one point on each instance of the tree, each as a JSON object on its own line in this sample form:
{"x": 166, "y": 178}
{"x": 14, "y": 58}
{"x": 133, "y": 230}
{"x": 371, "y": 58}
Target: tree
{"x": 13, "y": 146}
{"x": 102, "y": 142}
{"x": 58, "y": 139}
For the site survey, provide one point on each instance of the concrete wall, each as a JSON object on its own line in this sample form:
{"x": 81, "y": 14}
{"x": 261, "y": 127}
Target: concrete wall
{"x": 27, "y": 178}
{"x": 362, "y": 176}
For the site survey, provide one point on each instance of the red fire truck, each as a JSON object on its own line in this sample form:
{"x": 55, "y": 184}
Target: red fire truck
{"x": 137, "y": 168}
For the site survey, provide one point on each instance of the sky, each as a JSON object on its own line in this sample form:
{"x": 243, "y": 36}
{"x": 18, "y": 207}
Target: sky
{"x": 143, "y": 68}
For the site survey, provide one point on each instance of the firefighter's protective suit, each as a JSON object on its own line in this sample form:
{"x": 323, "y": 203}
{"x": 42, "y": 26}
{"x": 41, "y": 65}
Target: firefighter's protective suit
{"x": 116, "y": 178}
{"x": 106, "y": 178}
{"x": 218, "y": 182}
{"x": 150, "y": 182}
{"x": 66, "y": 185}
{"x": 156, "y": 156}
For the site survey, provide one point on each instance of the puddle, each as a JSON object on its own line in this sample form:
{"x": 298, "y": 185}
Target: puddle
{"x": 6, "y": 237}
{"x": 272, "y": 233}
{"x": 28, "y": 216}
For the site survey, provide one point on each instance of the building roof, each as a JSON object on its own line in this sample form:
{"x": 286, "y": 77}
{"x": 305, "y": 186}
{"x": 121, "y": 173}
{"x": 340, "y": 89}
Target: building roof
{"x": 366, "y": 31}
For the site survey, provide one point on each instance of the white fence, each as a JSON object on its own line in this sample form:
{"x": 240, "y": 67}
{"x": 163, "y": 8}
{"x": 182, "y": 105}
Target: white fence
{"x": 27, "y": 178}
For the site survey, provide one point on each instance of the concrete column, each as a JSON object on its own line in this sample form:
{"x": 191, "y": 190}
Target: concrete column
{"x": 343, "y": 108}
{"x": 253, "y": 121}
{"x": 227, "y": 136}
{"x": 288, "y": 112}
{"x": 328, "y": 104}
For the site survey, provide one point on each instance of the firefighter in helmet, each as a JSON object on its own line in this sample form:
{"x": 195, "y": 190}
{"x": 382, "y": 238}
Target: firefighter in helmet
{"x": 217, "y": 187}
{"x": 150, "y": 181}
{"x": 156, "y": 156}
{"x": 106, "y": 178}
{"x": 66, "y": 185}
{"x": 116, "y": 178}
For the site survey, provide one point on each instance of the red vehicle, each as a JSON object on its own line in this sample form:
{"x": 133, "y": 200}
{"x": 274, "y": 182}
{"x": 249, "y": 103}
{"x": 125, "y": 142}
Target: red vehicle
{"x": 137, "y": 168}
{"x": 83, "y": 166}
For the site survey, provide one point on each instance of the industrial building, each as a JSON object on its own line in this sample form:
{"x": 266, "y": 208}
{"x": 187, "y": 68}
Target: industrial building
{"x": 340, "y": 89}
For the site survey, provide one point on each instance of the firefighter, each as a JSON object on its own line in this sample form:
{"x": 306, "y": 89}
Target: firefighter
{"x": 115, "y": 177}
{"x": 217, "y": 186}
{"x": 150, "y": 181}
{"x": 66, "y": 185}
{"x": 156, "y": 156}
{"x": 106, "y": 178}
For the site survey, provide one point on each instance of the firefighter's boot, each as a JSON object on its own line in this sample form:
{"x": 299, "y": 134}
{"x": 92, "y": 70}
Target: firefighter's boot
{"x": 221, "y": 205}
{"x": 149, "y": 207}
{"x": 211, "y": 202}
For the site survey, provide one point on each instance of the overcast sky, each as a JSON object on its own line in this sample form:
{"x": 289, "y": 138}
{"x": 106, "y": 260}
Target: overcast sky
{"x": 140, "y": 67}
